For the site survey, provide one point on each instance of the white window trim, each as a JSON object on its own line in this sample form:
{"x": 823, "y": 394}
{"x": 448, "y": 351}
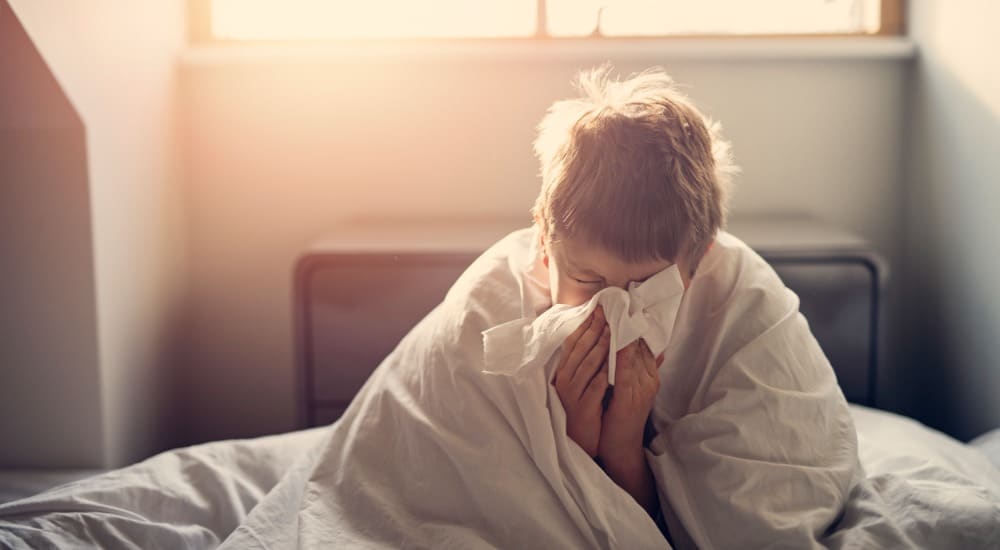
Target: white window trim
{"x": 722, "y": 49}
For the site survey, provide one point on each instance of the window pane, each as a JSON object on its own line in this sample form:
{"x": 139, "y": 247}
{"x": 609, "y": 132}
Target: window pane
{"x": 685, "y": 17}
{"x": 323, "y": 19}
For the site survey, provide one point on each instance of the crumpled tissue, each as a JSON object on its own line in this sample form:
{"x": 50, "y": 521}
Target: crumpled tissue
{"x": 646, "y": 310}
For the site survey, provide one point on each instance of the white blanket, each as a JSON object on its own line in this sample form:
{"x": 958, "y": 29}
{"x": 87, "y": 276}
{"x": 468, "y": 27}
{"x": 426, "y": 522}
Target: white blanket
{"x": 755, "y": 446}
{"x": 434, "y": 452}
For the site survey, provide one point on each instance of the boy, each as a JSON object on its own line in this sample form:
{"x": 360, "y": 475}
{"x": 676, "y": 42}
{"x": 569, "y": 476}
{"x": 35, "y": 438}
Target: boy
{"x": 480, "y": 429}
{"x": 634, "y": 181}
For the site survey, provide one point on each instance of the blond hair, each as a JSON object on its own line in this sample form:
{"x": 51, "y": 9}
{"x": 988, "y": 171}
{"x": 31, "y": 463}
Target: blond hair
{"x": 634, "y": 167}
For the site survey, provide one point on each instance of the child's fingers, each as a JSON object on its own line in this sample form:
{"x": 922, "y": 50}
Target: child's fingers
{"x": 636, "y": 366}
{"x": 627, "y": 371}
{"x": 591, "y": 363}
{"x": 644, "y": 350}
{"x": 574, "y": 336}
{"x": 584, "y": 343}
{"x": 647, "y": 359}
{"x": 593, "y": 395}
{"x": 625, "y": 355}
{"x": 570, "y": 343}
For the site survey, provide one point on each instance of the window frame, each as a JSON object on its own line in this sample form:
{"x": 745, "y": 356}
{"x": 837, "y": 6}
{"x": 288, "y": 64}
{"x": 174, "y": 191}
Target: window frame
{"x": 892, "y": 24}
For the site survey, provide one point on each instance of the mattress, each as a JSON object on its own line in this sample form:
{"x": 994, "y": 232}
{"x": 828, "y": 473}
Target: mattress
{"x": 20, "y": 483}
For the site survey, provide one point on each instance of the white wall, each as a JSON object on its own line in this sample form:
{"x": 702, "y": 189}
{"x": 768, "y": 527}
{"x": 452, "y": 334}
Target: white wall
{"x": 48, "y": 321}
{"x": 280, "y": 147}
{"x": 115, "y": 60}
{"x": 952, "y": 193}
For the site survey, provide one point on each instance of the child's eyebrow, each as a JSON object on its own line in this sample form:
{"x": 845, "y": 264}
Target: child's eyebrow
{"x": 584, "y": 271}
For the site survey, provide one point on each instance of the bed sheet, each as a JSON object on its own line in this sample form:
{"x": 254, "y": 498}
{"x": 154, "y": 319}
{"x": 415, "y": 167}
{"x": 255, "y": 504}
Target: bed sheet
{"x": 989, "y": 444}
{"x": 197, "y": 495}
{"x": 191, "y": 497}
{"x": 891, "y": 443}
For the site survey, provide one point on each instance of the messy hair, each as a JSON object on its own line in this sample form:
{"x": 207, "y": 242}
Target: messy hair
{"x": 633, "y": 167}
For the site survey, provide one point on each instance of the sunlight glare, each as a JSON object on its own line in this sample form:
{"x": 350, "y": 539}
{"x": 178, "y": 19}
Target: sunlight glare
{"x": 339, "y": 19}
{"x": 325, "y": 19}
{"x": 682, "y": 17}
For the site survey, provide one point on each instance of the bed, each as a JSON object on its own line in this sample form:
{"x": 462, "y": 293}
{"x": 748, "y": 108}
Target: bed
{"x": 404, "y": 269}
{"x": 199, "y": 495}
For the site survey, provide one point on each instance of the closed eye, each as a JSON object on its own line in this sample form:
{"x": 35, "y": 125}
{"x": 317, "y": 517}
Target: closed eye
{"x": 581, "y": 281}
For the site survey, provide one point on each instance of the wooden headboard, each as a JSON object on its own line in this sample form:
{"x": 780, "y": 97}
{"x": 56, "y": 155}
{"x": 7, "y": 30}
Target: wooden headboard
{"x": 358, "y": 292}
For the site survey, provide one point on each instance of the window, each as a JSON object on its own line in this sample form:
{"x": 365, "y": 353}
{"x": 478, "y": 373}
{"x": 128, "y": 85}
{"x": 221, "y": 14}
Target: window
{"x": 393, "y": 19}
{"x": 339, "y": 19}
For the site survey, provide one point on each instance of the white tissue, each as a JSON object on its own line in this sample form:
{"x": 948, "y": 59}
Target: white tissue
{"x": 646, "y": 310}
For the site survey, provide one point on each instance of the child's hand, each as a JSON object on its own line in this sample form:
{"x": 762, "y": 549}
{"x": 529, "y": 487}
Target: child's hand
{"x": 637, "y": 382}
{"x": 582, "y": 378}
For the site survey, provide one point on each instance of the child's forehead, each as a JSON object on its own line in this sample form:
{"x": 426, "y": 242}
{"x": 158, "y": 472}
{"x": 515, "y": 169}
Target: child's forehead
{"x": 575, "y": 247}
{"x": 584, "y": 255}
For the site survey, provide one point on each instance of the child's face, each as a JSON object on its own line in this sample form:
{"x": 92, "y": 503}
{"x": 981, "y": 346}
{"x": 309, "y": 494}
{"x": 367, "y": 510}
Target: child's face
{"x": 578, "y": 271}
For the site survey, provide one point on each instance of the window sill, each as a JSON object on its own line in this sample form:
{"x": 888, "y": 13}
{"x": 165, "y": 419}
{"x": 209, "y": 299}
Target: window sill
{"x": 707, "y": 49}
